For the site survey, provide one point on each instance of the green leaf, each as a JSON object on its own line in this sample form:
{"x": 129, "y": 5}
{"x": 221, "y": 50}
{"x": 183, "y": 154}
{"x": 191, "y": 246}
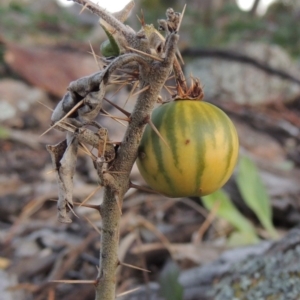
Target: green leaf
{"x": 231, "y": 214}
{"x": 109, "y": 47}
{"x": 238, "y": 238}
{"x": 254, "y": 194}
{"x": 170, "y": 288}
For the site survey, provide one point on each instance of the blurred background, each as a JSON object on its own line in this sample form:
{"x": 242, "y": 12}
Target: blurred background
{"x": 228, "y": 245}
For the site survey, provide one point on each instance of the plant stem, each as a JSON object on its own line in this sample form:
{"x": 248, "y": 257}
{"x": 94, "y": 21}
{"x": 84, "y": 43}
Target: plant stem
{"x": 179, "y": 76}
{"x": 154, "y": 75}
{"x": 105, "y": 287}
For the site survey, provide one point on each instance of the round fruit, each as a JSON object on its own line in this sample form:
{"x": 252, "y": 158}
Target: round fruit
{"x": 201, "y": 153}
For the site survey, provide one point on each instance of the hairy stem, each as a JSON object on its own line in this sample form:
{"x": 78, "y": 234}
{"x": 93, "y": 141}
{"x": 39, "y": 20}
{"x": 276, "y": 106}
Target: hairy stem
{"x": 154, "y": 76}
{"x": 179, "y": 76}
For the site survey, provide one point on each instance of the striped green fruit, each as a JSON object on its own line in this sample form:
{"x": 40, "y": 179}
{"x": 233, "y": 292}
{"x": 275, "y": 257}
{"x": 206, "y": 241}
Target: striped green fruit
{"x": 202, "y": 153}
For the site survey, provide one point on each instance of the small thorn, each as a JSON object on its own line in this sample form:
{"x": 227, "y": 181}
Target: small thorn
{"x": 98, "y": 56}
{"x": 118, "y": 81}
{"x": 118, "y": 203}
{"x": 158, "y": 133}
{"x": 71, "y": 209}
{"x": 111, "y": 116}
{"x": 134, "y": 74}
{"x": 115, "y": 117}
{"x": 128, "y": 292}
{"x": 126, "y": 113}
{"x": 123, "y": 84}
{"x": 171, "y": 87}
{"x": 68, "y": 114}
{"x": 73, "y": 281}
{"x": 115, "y": 172}
{"x": 94, "y": 55}
{"x": 51, "y": 171}
{"x": 181, "y": 17}
{"x": 144, "y": 53}
{"x": 131, "y": 92}
{"x": 114, "y": 143}
{"x": 134, "y": 267}
{"x": 85, "y": 150}
{"x": 83, "y": 8}
{"x": 141, "y": 90}
{"x": 177, "y": 30}
{"x": 141, "y": 188}
{"x": 90, "y": 195}
{"x": 79, "y": 204}
{"x": 171, "y": 77}
{"x": 44, "y": 105}
{"x": 53, "y": 200}
{"x": 139, "y": 19}
{"x": 168, "y": 90}
{"x": 142, "y": 18}
{"x": 93, "y": 225}
{"x": 87, "y": 205}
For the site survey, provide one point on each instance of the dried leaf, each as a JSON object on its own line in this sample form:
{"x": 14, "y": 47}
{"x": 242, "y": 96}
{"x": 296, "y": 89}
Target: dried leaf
{"x": 92, "y": 104}
{"x": 64, "y": 157}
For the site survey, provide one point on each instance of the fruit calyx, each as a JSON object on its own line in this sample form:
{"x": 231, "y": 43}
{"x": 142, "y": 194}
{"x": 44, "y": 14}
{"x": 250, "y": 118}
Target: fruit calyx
{"x": 194, "y": 92}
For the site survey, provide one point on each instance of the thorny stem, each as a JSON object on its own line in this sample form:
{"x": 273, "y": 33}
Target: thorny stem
{"x": 102, "y": 13}
{"x": 119, "y": 26}
{"x": 155, "y": 76}
{"x": 114, "y": 166}
{"x": 81, "y": 86}
{"x": 179, "y": 76}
